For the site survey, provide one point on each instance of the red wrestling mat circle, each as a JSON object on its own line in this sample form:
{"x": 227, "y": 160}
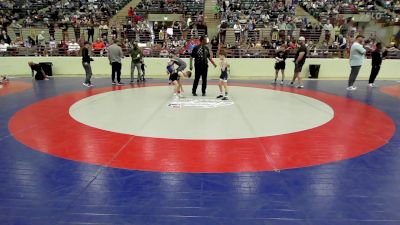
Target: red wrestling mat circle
{"x": 349, "y": 134}
{"x": 393, "y": 90}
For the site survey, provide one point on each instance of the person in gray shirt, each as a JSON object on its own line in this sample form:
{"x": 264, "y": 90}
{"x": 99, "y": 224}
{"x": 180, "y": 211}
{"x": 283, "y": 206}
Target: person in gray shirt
{"x": 115, "y": 55}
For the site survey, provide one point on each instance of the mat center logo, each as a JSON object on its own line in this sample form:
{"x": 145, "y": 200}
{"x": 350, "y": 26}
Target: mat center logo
{"x": 199, "y": 103}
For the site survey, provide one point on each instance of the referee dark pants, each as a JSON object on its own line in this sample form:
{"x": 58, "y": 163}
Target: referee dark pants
{"x": 200, "y": 71}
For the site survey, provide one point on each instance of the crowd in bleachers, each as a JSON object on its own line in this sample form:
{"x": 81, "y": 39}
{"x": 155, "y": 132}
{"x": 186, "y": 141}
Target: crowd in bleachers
{"x": 260, "y": 27}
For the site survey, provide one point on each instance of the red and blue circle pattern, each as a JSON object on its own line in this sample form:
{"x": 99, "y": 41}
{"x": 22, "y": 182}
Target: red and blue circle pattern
{"x": 46, "y": 126}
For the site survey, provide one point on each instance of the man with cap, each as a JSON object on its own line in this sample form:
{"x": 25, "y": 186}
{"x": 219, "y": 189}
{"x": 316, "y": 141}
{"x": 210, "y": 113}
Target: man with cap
{"x": 115, "y": 55}
{"x": 201, "y": 55}
{"x": 357, "y": 55}
{"x": 299, "y": 60}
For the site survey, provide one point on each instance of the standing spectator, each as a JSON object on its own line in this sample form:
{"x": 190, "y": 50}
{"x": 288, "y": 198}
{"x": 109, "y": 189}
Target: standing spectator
{"x": 115, "y": 55}
{"x": 377, "y": 57}
{"x": 342, "y": 45}
{"x": 299, "y": 60}
{"x": 86, "y": 59}
{"x": 65, "y": 34}
{"x": 77, "y": 30}
{"x": 357, "y": 53}
{"x": 103, "y": 28}
{"x": 5, "y": 37}
{"x": 40, "y": 39}
{"x": 90, "y": 30}
{"x": 222, "y": 31}
{"x": 17, "y": 28}
{"x": 201, "y": 55}
{"x": 3, "y": 47}
{"x": 328, "y": 28}
{"x": 130, "y": 13}
{"x": 51, "y": 28}
{"x": 237, "y": 29}
{"x": 137, "y": 58}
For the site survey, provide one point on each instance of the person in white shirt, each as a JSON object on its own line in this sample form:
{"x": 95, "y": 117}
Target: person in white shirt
{"x": 73, "y": 48}
{"x": 3, "y": 47}
{"x": 328, "y": 28}
{"x": 357, "y": 55}
{"x": 237, "y": 29}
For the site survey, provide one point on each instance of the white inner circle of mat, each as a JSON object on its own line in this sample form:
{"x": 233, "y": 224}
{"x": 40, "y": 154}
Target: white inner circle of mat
{"x": 256, "y": 112}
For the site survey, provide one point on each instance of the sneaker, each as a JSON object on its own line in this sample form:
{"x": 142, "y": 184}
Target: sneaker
{"x": 273, "y": 82}
{"x": 220, "y": 96}
{"x": 204, "y": 94}
{"x": 281, "y": 83}
{"x": 113, "y": 83}
{"x": 86, "y": 85}
{"x": 120, "y": 83}
{"x": 300, "y": 86}
{"x": 138, "y": 80}
{"x": 291, "y": 84}
{"x": 372, "y": 85}
{"x": 351, "y": 88}
{"x": 131, "y": 82}
{"x": 225, "y": 98}
{"x": 181, "y": 96}
{"x": 91, "y": 85}
{"x": 194, "y": 94}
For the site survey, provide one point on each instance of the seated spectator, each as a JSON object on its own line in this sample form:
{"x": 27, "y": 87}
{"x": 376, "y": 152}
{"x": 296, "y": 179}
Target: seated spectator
{"x": 5, "y": 37}
{"x": 98, "y": 47}
{"x": 3, "y": 47}
{"x": 73, "y": 48}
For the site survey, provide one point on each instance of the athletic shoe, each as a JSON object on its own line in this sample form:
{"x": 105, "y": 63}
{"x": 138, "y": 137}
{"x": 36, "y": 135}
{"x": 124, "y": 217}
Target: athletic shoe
{"x": 291, "y": 84}
{"x": 281, "y": 83}
{"x": 138, "y": 80}
{"x": 181, "y": 96}
{"x": 113, "y": 83}
{"x": 225, "y": 98}
{"x": 273, "y": 82}
{"x": 300, "y": 86}
{"x": 86, "y": 85}
{"x": 372, "y": 85}
{"x": 194, "y": 94}
{"x": 351, "y": 88}
{"x": 204, "y": 94}
{"x": 120, "y": 83}
{"x": 220, "y": 96}
{"x": 131, "y": 82}
{"x": 91, "y": 85}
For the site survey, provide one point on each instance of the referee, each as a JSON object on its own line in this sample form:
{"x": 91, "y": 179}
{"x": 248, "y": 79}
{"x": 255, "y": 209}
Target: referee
{"x": 201, "y": 55}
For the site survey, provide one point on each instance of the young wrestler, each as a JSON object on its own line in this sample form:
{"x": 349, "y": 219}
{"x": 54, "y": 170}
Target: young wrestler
{"x": 175, "y": 78}
{"x": 223, "y": 79}
{"x": 280, "y": 64}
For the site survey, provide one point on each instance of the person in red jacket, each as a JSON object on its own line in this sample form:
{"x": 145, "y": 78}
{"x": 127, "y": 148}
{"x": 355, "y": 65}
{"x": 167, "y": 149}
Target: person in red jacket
{"x": 130, "y": 12}
{"x": 98, "y": 47}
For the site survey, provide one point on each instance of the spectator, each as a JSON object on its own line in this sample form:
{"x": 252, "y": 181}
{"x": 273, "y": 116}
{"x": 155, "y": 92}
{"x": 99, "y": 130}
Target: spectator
{"x": 237, "y": 29}
{"x": 90, "y": 31}
{"x": 98, "y": 47}
{"x": 5, "y": 37}
{"x": 17, "y": 28}
{"x": 40, "y": 39}
{"x": 342, "y": 45}
{"x": 64, "y": 28}
{"x": 73, "y": 48}
{"x": 3, "y": 47}
{"x": 77, "y": 29}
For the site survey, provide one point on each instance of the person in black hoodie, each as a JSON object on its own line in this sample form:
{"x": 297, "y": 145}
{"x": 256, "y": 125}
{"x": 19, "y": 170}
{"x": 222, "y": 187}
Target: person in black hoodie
{"x": 377, "y": 56}
{"x": 86, "y": 64}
